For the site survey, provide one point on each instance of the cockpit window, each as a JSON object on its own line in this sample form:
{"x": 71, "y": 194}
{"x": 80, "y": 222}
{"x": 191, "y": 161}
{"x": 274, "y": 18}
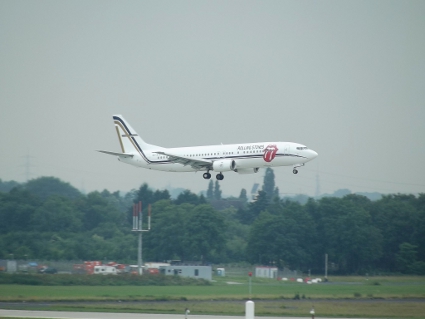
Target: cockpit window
{"x": 302, "y": 148}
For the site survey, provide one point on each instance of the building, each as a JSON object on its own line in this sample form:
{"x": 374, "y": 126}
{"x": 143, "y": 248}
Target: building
{"x": 266, "y": 272}
{"x": 203, "y": 272}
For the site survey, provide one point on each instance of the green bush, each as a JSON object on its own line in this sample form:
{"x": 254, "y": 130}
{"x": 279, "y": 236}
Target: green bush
{"x": 99, "y": 280}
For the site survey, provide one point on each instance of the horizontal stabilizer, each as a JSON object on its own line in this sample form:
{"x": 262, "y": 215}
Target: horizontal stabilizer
{"x": 117, "y": 154}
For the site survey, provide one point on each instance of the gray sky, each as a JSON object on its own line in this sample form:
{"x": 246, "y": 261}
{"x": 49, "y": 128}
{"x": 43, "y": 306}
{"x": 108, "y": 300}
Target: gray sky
{"x": 345, "y": 78}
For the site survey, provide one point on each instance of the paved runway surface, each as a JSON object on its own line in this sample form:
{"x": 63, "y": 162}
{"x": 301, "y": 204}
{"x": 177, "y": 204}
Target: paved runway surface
{"x": 108, "y": 315}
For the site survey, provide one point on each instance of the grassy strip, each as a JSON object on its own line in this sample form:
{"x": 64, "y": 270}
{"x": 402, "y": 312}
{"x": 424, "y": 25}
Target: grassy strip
{"x": 98, "y": 280}
{"x": 217, "y": 291}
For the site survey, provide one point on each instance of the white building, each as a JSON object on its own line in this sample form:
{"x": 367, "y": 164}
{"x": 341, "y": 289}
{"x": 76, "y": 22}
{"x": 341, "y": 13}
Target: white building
{"x": 105, "y": 270}
{"x": 204, "y": 272}
{"x": 266, "y": 272}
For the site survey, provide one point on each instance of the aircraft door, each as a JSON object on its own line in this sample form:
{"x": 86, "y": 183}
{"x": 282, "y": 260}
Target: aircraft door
{"x": 286, "y": 149}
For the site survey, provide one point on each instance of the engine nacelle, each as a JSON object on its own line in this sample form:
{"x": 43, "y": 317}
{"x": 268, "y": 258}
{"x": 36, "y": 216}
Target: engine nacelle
{"x": 224, "y": 165}
{"x": 247, "y": 170}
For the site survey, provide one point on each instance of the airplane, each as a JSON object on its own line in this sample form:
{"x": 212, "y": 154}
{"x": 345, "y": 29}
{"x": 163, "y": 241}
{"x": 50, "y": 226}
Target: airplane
{"x": 246, "y": 158}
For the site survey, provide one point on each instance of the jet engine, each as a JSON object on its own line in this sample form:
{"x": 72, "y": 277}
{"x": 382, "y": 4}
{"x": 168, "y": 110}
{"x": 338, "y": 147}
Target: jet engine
{"x": 224, "y": 165}
{"x": 247, "y": 170}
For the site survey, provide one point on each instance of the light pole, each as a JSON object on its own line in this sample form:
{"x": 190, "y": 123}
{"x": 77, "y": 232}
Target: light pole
{"x": 138, "y": 227}
{"x": 326, "y": 267}
{"x": 249, "y": 285}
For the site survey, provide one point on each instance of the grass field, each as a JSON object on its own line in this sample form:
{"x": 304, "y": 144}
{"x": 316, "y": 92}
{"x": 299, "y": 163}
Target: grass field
{"x": 337, "y": 288}
{"x": 384, "y": 297}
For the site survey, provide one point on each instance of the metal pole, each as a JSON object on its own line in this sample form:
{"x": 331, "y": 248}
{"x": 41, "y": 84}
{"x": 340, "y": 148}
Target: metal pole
{"x": 326, "y": 266}
{"x": 138, "y": 227}
{"x": 249, "y": 284}
{"x": 139, "y": 254}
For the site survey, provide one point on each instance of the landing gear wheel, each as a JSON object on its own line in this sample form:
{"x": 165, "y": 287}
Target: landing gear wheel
{"x": 295, "y": 171}
{"x": 206, "y": 175}
{"x": 219, "y": 177}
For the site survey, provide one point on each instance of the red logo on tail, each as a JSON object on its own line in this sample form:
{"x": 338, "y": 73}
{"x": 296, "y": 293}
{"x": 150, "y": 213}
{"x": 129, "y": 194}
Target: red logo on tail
{"x": 270, "y": 153}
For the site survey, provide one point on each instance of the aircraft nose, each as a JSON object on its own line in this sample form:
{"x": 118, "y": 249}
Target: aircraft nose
{"x": 313, "y": 154}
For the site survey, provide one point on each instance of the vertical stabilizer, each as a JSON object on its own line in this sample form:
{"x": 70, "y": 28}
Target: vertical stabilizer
{"x": 130, "y": 141}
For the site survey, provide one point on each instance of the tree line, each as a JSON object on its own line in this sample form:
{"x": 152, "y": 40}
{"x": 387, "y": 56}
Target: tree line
{"x": 49, "y": 219}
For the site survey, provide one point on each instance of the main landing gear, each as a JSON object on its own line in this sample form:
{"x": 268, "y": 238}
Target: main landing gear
{"x": 207, "y": 175}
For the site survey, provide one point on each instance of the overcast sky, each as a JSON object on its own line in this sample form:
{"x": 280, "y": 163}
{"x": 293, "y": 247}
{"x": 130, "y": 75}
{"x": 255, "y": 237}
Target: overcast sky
{"x": 345, "y": 78}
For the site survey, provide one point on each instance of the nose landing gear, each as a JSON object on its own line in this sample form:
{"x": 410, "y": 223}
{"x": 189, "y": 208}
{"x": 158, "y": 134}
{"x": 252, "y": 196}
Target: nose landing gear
{"x": 295, "y": 171}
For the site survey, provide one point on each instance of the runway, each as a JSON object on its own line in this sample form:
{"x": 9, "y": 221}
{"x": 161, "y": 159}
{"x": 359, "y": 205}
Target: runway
{"x": 110, "y": 315}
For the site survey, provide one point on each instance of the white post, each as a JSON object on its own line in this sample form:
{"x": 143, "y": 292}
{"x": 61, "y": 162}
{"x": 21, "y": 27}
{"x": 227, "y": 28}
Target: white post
{"x": 249, "y": 309}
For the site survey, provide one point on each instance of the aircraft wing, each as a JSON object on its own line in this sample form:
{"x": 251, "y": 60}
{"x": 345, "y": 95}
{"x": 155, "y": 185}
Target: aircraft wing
{"x": 125, "y": 155}
{"x": 194, "y": 163}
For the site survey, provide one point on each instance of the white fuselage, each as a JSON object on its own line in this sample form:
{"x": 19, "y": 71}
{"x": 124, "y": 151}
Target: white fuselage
{"x": 246, "y": 156}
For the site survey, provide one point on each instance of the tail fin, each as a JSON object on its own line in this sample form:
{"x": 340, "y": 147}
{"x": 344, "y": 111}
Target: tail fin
{"x": 130, "y": 142}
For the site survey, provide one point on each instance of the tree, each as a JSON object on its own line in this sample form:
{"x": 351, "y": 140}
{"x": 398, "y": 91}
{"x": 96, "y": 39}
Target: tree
{"x": 165, "y": 240}
{"x": 348, "y": 235}
{"x": 16, "y": 210}
{"x": 100, "y": 208}
{"x": 57, "y": 214}
{"x": 210, "y": 190}
{"x": 242, "y": 196}
{"x": 203, "y": 231}
{"x": 44, "y": 187}
{"x": 256, "y": 207}
{"x": 269, "y": 184}
{"x": 397, "y": 217}
{"x": 276, "y": 193}
{"x": 217, "y": 191}
{"x": 286, "y": 238}
{"x": 185, "y": 232}
{"x": 7, "y": 186}
{"x": 236, "y": 237}
{"x": 160, "y": 195}
{"x": 190, "y": 198}
{"x": 406, "y": 257}
{"x": 147, "y": 196}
